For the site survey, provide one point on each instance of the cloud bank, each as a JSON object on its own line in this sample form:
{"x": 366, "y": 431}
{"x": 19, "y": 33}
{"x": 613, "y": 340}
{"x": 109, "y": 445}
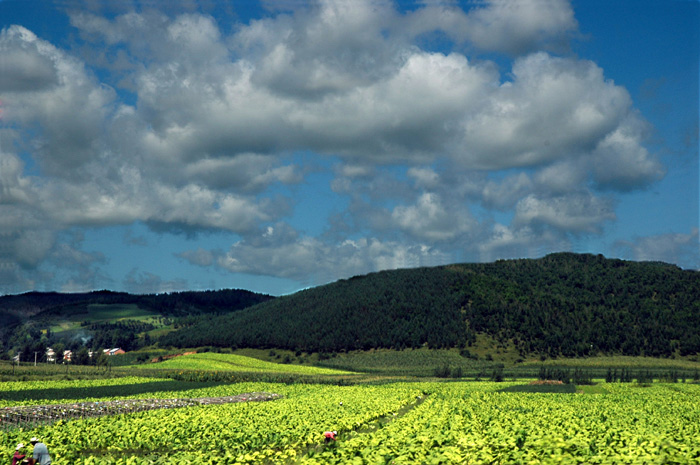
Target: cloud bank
{"x": 180, "y": 123}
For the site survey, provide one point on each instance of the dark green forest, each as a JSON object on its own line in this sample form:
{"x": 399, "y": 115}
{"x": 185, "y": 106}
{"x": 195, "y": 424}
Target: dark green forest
{"x": 25, "y": 317}
{"x": 19, "y": 306}
{"x": 564, "y": 304}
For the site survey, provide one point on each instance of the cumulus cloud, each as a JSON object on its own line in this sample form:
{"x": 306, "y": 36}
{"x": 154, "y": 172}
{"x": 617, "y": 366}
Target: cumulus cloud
{"x": 680, "y": 248}
{"x": 513, "y": 27}
{"x": 24, "y": 66}
{"x": 553, "y": 108}
{"x": 430, "y": 220}
{"x": 503, "y": 194}
{"x": 169, "y": 120}
{"x": 620, "y": 162}
{"x": 280, "y": 251}
{"x": 425, "y": 178}
{"x": 577, "y": 213}
{"x": 520, "y": 26}
{"x": 519, "y": 242}
{"x": 244, "y": 173}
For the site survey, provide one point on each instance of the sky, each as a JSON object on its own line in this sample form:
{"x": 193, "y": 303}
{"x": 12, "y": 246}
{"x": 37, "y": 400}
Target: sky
{"x": 154, "y": 146}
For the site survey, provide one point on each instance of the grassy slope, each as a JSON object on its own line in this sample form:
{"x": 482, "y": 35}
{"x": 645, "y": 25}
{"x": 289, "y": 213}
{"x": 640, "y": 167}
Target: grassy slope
{"x": 232, "y": 362}
{"x": 102, "y": 313}
{"x": 423, "y": 362}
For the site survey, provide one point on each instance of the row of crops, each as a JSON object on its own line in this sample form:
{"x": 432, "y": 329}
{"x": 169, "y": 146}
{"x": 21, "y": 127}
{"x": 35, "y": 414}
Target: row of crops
{"x": 399, "y": 423}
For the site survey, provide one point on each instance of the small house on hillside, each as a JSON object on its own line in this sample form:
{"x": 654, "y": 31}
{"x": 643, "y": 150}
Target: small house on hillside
{"x": 115, "y": 351}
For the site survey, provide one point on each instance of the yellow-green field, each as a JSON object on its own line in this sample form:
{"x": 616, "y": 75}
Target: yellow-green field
{"x": 395, "y": 423}
{"x": 210, "y": 361}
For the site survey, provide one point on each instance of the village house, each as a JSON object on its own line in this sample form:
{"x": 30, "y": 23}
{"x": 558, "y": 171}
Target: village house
{"x": 115, "y": 351}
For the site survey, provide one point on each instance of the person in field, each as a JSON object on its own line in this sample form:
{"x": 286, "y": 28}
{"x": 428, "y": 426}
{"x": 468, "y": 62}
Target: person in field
{"x": 330, "y": 436}
{"x": 41, "y": 452}
{"x": 17, "y": 458}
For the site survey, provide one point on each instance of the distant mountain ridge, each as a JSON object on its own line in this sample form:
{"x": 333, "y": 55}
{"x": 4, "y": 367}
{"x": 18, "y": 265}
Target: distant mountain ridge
{"x": 176, "y": 303}
{"x": 562, "y": 304}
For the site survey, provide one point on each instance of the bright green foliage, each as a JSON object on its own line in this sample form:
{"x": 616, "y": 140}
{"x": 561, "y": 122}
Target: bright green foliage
{"x": 234, "y": 433}
{"x": 468, "y": 424}
{"x": 399, "y": 423}
{"x": 232, "y": 362}
{"x": 51, "y": 392}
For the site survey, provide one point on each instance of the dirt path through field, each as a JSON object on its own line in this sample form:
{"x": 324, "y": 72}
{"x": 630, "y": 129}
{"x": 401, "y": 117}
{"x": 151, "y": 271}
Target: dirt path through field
{"x": 35, "y": 415}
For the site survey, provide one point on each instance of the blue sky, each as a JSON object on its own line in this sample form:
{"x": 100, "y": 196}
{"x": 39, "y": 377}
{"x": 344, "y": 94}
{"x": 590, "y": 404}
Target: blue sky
{"x": 157, "y": 146}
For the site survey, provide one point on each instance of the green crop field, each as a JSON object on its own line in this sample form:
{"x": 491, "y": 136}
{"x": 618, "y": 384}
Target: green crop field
{"x": 386, "y": 417}
{"x": 394, "y": 423}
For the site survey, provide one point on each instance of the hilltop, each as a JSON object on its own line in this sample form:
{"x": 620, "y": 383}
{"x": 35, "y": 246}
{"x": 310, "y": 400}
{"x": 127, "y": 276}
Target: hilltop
{"x": 564, "y": 304}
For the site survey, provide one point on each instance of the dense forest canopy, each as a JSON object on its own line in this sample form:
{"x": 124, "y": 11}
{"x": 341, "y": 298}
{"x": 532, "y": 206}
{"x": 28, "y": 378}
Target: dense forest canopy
{"x": 563, "y": 304}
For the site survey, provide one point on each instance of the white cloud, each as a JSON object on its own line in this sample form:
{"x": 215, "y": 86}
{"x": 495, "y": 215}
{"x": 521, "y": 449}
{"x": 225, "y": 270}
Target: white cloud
{"x": 679, "y": 248}
{"x": 281, "y": 252}
{"x": 620, "y": 162}
{"x": 578, "y": 213}
{"x": 517, "y": 26}
{"x": 504, "y": 194}
{"x": 425, "y": 178}
{"x": 14, "y": 187}
{"x": 562, "y": 177}
{"x": 197, "y": 129}
{"x": 329, "y": 47}
{"x": 554, "y": 108}
{"x": 243, "y": 173}
{"x": 430, "y": 220}
{"x": 509, "y": 26}
{"x": 551, "y": 108}
{"x": 519, "y": 242}
{"x": 24, "y": 66}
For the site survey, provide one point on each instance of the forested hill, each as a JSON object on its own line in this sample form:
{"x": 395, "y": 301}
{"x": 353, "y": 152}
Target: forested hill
{"x": 23, "y": 317}
{"x": 21, "y": 306}
{"x": 563, "y": 304}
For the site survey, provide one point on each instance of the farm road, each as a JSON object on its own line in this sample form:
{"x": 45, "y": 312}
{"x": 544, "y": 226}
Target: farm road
{"x": 35, "y": 415}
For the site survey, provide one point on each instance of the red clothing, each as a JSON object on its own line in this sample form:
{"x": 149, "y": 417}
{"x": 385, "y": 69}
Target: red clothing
{"x": 17, "y": 458}
{"x": 329, "y": 435}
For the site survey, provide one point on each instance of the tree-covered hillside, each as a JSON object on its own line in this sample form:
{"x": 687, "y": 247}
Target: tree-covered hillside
{"x": 563, "y": 304}
{"x": 172, "y": 304}
{"x": 25, "y": 319}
